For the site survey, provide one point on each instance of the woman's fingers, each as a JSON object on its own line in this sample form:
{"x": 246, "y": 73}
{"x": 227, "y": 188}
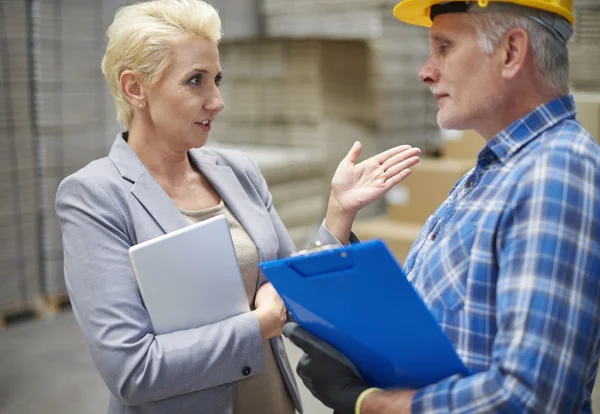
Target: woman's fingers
{"x": 381, "y": 158}
{"x": 400, "y": 158}
{"x": 399, "y": 171}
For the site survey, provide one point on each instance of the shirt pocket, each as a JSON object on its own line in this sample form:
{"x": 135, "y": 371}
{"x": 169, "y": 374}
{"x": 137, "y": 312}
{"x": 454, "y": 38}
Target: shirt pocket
{"x": 445, "y": 276}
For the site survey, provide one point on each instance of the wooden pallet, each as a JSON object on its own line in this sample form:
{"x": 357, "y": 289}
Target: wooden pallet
{"x": 56, "y": 302}
{"x": 36, "y": 308}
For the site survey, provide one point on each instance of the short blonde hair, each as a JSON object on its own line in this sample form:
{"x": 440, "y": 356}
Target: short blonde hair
{"x": 142, "y": 36}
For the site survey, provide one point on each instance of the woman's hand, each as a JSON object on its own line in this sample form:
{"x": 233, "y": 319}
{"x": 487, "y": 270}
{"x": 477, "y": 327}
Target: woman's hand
{"x": 355, "y": 186}
{"x": 270, "y": 311}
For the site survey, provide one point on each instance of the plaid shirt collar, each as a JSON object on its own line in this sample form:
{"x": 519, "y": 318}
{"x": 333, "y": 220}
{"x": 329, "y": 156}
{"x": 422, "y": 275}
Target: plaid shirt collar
{"x": 504, "y": 145}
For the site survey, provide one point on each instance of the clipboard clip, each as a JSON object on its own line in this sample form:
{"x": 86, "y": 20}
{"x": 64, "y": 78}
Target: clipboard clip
{"x": 315, "y": 247}
{"x": 305, "y": 264}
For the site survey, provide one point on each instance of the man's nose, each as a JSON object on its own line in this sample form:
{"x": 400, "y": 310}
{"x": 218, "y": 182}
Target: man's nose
{"x": 428, "y": 73}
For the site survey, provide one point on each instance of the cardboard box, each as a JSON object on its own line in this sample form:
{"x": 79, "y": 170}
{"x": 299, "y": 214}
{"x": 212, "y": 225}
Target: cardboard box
{"x": 462, "y": 145}
{"x": 588, "y": 106}
{"x": 398, "y": 236}
{"x": 417, "y": 197}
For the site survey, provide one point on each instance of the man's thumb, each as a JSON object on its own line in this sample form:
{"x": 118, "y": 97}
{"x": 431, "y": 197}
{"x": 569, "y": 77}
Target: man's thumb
{"x": 316, "y": 347}
{"x": 300, "y": 337}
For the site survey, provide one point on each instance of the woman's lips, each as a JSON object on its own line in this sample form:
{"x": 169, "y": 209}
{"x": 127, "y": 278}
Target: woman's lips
{"x": 205, "y": 128}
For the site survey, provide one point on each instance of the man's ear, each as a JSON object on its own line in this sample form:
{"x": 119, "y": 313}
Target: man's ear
{"x": 514, "y": 52}
{"x": 132, "y": 88}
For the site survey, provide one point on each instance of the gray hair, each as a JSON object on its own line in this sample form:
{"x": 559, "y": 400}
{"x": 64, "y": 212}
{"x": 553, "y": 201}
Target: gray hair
{"x": 552, "y": 56}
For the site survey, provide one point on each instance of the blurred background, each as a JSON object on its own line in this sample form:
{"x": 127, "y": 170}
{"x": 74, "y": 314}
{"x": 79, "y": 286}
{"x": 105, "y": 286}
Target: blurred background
{"x": 303, "y": 81}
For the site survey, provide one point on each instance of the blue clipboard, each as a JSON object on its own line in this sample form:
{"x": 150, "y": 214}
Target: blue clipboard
{"x": 357, "y": 299}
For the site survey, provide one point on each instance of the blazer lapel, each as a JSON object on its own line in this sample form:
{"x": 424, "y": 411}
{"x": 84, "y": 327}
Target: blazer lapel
{"x": 229, "y": 188}
{"x": 160, "y": 206}
{"x": 145, "y": 188}
{"x": 158, "y": 203}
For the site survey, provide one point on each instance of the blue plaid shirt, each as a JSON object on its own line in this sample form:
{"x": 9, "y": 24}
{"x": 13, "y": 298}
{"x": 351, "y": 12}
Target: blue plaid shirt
{"x": 509, "y": 265}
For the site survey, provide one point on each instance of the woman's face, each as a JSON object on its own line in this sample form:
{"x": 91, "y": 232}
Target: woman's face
{"x": 185, "y": 102}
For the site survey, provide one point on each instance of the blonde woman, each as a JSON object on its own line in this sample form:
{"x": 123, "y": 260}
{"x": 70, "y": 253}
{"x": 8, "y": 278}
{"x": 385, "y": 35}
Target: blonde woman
{"x": 162, "y": 66}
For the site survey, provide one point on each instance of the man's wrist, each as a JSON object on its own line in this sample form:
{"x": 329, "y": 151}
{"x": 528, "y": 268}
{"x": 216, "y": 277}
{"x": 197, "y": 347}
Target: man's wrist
{"x": 396, "y": 402}
{"x": 362, "y": 397}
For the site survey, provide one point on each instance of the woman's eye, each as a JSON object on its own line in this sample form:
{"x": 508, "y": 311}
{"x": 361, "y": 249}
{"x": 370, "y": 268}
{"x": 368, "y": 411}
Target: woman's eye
{"x": 195, "y": 80}
{"x": 218, "y": 80}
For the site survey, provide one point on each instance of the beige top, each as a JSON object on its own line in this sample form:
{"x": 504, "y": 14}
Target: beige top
{"x": 265, "y": 392}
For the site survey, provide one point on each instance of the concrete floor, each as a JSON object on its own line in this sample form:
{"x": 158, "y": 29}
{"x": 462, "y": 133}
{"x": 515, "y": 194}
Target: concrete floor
{"x": 45, "y": 368}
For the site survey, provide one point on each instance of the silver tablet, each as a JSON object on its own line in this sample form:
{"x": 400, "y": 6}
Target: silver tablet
{"x": 190, "y": 277}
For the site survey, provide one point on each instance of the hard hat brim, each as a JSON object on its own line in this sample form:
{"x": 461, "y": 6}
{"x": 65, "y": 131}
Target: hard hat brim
{"x": 417, "y": 12}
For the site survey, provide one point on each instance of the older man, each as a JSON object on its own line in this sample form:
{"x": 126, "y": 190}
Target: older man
{"x": 509, "y": 264}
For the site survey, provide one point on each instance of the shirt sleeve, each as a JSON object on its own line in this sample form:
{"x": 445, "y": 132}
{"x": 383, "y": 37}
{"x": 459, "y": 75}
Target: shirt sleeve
{"x": 547, "y": 299}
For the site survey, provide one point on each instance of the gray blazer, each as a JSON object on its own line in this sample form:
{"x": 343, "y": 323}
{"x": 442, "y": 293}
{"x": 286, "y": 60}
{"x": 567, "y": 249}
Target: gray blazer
{"x": 114, "y": 203}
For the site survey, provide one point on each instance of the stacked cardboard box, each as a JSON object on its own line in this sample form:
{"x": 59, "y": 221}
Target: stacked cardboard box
{"x": 19, "y": 230}
{"x": 382, "y": 83}
{"x": 328, "y": 19}
{"x": 416, "y": 198}
{"x": 403, "y": 108}
{"x": 240, "y": 19}
{"x": 398, "y": 235}
{"x": 584, "y": 47}
{"x": 76, "y": 120}
{"x": 588, "y": 107}
{"x": 407, "y": 109}
{"x": 297, "y": 95}
{"x": 461, "y": 145}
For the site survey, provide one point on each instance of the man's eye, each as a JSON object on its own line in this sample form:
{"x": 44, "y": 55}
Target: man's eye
{"x": 218, "y": 80}
{"x": 443, "y": 48}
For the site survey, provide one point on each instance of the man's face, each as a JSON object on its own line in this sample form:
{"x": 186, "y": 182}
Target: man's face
{"x": 465, "y": 81}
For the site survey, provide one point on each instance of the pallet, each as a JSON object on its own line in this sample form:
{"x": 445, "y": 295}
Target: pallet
{"x": 55, "y": 303}
{"x": 36, "y": 308}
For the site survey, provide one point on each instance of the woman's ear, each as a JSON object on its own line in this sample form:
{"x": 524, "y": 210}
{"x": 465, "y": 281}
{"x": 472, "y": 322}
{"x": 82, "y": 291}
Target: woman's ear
{"x": 132, "y": 89}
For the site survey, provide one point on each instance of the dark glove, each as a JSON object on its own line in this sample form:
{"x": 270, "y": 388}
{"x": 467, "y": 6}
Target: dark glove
{"x": 327, "y": 373}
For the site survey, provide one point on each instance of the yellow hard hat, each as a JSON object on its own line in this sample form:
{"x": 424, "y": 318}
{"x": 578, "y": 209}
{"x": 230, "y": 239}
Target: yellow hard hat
{"x": 418, "y": 12}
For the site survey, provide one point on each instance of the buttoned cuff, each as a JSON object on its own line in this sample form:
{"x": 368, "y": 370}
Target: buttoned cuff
{"x": 326, "y": 237}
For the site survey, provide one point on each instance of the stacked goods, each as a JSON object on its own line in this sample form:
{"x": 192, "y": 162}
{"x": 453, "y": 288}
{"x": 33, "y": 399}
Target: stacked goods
{"x": 76, "y": 119}
{"x": 407, "y": 108}
{"x": 588, "y": 111}
{"x": 404, "y": 106}
{"x": 584, "y": 50}
{"x": 293, "y": 93}
{"x": 584, "y": 47}
{"x": 240, "y": 19}
{"x": 19, "y": 231}
{"x": 357, "y": 20}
